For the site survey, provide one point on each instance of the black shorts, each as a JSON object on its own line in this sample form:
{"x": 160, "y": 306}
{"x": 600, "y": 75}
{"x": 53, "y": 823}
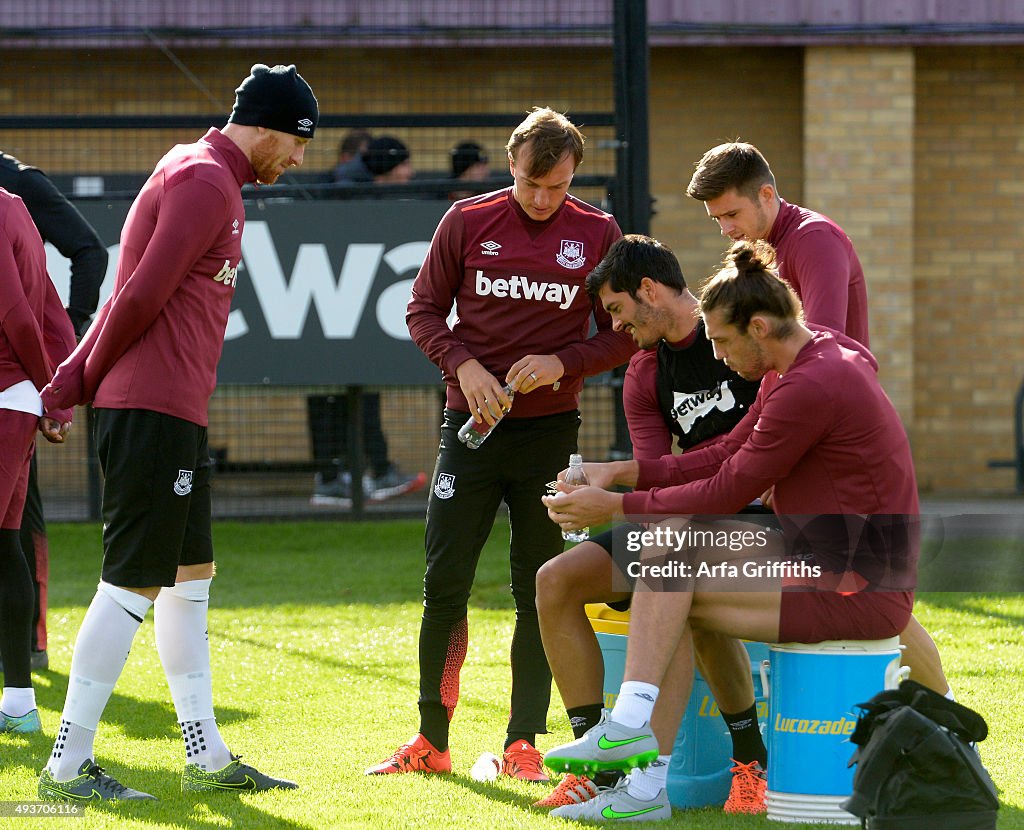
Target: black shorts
{"x": 156, "y": 496}
{"x": 613, "y": 540}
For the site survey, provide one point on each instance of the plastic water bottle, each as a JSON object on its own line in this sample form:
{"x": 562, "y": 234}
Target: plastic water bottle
{"x": 575, "y": 475}
{"x": 474, "y": 433}
{"x": 486, "y": 768}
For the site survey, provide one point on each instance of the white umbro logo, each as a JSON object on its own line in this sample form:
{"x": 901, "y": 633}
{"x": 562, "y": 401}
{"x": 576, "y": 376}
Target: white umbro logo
{"x": 234, "y": 228}
{"x": 305, "y": 124}
{"x": 489, "y": 248}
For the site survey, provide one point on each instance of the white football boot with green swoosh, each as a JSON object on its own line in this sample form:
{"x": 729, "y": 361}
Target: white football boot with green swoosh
{"x": 607, "y": 746}
{"x": 616, "y": 804}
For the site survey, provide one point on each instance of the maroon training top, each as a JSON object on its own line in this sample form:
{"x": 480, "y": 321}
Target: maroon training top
{"x": 518, "y": 289}
{"x": 817, "y": 259}
{"x": 35, "y": 332}
{"x": 156, "y": 342}
{"x": 824, "y": 433}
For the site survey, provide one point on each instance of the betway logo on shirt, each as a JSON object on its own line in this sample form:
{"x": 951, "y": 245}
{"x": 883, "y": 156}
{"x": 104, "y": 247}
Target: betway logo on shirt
{"x": 523, "y": 288}
{"x": 692, "y": 406}
{"x": 226, "y": 274}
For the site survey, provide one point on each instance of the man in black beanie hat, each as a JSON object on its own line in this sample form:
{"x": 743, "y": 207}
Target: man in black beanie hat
{"x": 149, "y": 366}
{"x": 469, "y": 164}
{"x": 274, "y": 117}
{"x": 278, "y": 99}
{"x": 388, "y": 159}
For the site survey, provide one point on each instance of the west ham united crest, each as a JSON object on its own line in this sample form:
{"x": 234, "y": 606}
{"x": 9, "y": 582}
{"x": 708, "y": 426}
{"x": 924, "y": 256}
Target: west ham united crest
{"x": 571, "y": 254}
{"x": 445, "y": 486}
{"x": 183, "y": 483}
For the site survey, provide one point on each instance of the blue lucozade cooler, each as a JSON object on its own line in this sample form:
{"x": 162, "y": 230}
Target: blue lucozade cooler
{"x": 698, "y": 775}
{"x": 814, "y": 690}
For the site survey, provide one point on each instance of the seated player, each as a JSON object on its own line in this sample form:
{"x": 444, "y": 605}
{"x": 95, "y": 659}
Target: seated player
{"x": 823, "y": 433}
{"x": 674, "y": 387}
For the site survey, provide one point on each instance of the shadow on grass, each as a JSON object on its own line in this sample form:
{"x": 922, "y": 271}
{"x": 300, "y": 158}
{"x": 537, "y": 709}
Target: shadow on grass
{"x": 302, "y": 563}
{"x": 495, "y": 792}
{"x": 972, "y": 553}
{"x": 137, "y": 718}
{"x": 968, "y": 603}
{"x": 465, "y": 701}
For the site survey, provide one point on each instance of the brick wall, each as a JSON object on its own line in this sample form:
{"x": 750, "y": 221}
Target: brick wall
{"x": 700, "y": 98}
{"x": 362, "y": 81}
{"x": 858, "y": 169}
{"x": 968, "y": 284}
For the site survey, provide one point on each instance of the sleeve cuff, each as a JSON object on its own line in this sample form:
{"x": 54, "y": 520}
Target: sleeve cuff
{"x": 572, "y": 363}
{"x": 454, "y": 359}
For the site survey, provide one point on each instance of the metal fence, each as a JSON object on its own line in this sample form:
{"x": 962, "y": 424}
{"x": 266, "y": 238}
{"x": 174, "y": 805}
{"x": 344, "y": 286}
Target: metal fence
{"x": 96, "y": 106}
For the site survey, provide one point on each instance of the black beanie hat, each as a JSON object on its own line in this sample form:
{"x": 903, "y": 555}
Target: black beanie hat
{"x": 278, "y": 98}
{"x": 465, "y": 155}
{"x": 384, "y": 154}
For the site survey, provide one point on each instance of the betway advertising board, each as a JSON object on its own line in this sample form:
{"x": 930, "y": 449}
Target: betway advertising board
{"x": 321, "y": 293}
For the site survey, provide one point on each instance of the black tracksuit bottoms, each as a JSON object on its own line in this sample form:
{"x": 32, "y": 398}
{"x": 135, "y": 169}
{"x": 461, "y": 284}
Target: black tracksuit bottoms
{"x": 513, "y": 466}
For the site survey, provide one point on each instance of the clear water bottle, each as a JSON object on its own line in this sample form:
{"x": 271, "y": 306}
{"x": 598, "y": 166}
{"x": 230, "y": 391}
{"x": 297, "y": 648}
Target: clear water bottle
{"x": 575, "y": 475}
{"x": 474, "y": 433}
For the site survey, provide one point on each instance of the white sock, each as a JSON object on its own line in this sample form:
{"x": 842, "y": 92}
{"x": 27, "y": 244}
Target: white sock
{"x": 17, "y": 701}
{"x": 73, "y": 746}
{"x": 204, "y": 745}
{"x": 635, "y": 703}
{"x": 646, "y": 783}
{"x": 101, "y": 651}
{"x": 183, "y": 642}
{"x": 949, "y": 694}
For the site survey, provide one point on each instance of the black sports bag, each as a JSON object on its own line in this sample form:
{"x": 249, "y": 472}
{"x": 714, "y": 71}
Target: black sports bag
{"x": 916, "y": 767}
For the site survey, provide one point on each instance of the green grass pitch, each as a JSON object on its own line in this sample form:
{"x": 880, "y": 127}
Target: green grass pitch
{"x": 313, "y": 632}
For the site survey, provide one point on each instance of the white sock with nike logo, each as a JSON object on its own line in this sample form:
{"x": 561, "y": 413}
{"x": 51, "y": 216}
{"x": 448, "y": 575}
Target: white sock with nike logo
{"x": 635, "y": 703}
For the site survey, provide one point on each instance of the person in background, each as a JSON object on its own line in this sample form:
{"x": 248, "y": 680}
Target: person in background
{"x": 350, "y": 166}
{"x": 332, "y": 483}
{"x": 387, "y": 158}
{"x": 181, "y": 246}
{"x": 60, "y": 224}
{"x": 35, "y": 334}
{"x": 469, "y": 164}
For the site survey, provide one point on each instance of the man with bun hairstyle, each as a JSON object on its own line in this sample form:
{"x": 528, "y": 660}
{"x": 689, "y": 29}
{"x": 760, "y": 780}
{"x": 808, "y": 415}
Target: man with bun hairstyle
{"x": 817, "y": 259}
{"x": 148, "y": 364}
{"x": 515, "y": 261}
{"x": 821, "y": 431}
